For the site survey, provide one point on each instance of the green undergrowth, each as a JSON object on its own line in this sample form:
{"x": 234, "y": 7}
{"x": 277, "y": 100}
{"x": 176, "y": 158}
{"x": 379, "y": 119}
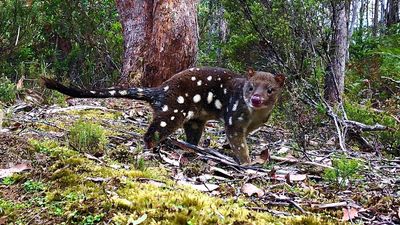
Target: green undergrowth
{"x": 78, "y": 190}
{"x": 88, "y": 137}
{"x": 390, "y": 138}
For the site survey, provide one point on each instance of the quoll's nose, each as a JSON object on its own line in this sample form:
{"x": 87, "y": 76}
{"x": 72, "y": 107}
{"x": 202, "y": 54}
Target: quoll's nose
{"x": 256, "y": 100}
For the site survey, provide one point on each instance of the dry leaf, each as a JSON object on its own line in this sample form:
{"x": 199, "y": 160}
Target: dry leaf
{"x": 349, "y": 214}
{"x": 20, "y": 83}
{"x": 296, "y": 177}
{"x": 398, "y": 213}
{"x": 137, "y": 221}
{"x": 206, "y": 187}
{"x": 251, "y": 189}
{"x": 15, "y": 169}
{"x": 283, "y": 150}
{"x": 1, "y": 119}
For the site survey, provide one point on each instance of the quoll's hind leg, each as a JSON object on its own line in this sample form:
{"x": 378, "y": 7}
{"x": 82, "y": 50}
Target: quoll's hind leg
{"x": 237, "y": 141}
{"x": 193, "y": 130}
{"x": 161, "y": 128}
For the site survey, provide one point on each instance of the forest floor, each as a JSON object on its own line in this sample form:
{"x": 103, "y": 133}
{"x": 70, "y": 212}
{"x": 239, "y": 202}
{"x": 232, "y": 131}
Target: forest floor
{"x": 44, "y": 180}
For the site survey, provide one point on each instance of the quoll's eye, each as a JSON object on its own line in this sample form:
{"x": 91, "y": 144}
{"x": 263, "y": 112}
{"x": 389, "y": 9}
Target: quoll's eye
{"x": 251, "y": 88}
{"x": 270, "y": 90}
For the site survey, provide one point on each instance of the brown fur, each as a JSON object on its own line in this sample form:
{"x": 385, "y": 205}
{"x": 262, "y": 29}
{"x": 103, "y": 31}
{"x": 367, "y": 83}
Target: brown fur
{"x": 194, "y": 96}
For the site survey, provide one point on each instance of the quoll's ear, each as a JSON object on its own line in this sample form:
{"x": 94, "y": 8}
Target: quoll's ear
{"x": 250, "y": 72}
{"x": 280, "y": 79}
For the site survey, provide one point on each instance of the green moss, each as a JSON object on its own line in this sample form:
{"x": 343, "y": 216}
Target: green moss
{"x": 94, "y": 114}
{"x": 88, "y": 137}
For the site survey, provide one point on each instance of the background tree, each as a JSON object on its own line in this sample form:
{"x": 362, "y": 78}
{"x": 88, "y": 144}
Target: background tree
{"x": 160, "y": 39}
{"x": 334, "y": 78}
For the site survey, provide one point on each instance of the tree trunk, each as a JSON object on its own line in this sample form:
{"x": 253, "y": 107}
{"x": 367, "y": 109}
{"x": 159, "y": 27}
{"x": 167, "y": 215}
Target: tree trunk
{"x": 160, "y": 39}
{"x": 355, "y": 5}
{"x": 392, "y": 12}
{"x": 376, "y": 17}
{"x": 362, "y": 10}
{"x": 334, "y": 78}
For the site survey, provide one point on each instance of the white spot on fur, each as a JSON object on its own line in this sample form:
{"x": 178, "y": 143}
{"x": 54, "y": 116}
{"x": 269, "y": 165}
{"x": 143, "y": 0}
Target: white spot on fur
{"x": 190, "y": 115}
{"x": 230, "y": 120}
{"x": 124, "y": 92}
{"x": 210, "y": 97}
{"x": 224, "y": 71}
{"x": 219, "y": 78}
{"x": 199, "y": 83}
{"x": 193, "y": 78}
{"x": 240, "y": 118}
{"x": 218, "y": 104}
{"x": 180, "y": 100}
{"x": 191, "y": 69}
{"x": 186, "y": 95}
{"x": 165, "y": 108}
{"x": 196, "y": 98}
{"x": 139, "y": 89}
{"x": 166, "y": 88}
{"x": 175, "y": 110}
{"x": 93, "y": 92}
{"x": 209, "y": 78}
{"x": 197, "y": 69}
{"x": 225, "y": 91}
{"x": 172, "y": 117}
{"x": 221, "y": 85}
{"x": 112, "y": 93}
{"x": 184, "y": 114}
{"x": 163, "y": 124}
{"x": 234, "y": 108}
{"x": 235, "y": 134}
{"x": 242, "y": 145}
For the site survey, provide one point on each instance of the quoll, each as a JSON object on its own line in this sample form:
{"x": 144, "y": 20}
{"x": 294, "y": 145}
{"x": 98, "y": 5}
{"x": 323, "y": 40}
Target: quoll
{"x": 196, "y": 95}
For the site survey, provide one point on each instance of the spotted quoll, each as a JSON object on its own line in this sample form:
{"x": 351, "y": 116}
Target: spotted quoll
{"x": 194, "y": 96}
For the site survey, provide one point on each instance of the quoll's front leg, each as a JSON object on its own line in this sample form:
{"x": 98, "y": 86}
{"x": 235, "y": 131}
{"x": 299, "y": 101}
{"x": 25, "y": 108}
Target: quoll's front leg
{"x": 237, "y": 141}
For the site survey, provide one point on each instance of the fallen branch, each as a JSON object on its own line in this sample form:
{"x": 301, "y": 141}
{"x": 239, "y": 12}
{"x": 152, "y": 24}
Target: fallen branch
{"x": 79, "y": 107}
{"x": 364, "y": 127}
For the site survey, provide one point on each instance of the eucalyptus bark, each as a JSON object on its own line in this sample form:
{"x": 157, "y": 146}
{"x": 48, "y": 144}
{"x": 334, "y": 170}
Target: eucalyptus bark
{"x": 334, "y": 78}
{"x": 376, "y": 18}
{"x": 160, "y": 39}
{"x": 392, "y": 12}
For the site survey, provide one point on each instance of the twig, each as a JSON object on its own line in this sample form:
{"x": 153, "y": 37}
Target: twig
{"x": 293, "y": 160}
{"x": 330, "y": 205}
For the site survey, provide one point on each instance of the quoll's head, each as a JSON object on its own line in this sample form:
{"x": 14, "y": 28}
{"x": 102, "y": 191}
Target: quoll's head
{"x": 262, "y": 89}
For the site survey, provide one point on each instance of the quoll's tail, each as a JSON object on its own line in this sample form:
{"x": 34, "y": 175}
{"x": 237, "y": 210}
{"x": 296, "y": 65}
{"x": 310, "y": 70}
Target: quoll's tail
{"x": 145, "y": 94}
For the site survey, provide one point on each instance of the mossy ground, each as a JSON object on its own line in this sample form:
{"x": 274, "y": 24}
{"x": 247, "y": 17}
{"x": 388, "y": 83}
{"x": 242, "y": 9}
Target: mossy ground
{"x": 66, "y": 186}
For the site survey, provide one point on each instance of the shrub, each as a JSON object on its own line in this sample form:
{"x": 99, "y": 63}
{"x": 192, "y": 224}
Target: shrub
{"x": 8, "y": 90}
{"x": 344, "y": 171}
{"x": 88, "y": 137}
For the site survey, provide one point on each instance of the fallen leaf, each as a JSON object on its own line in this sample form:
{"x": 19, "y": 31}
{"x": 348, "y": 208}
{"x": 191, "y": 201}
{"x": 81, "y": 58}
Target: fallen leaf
{"x": 138, "y": 221}
{"x": 349, "y": 214}
{"x": 290, "y": 178}
{"x": 265, "y": 155}
{"x": 206, "y": 187}
{"x": 15, "y": 169}
{"x": 398, "y": 213}
{"x": 283, "y": 150}
{"x": 3, "y": 220}
{"x": 251, "y": 189}
{"x": 20, "y": 83}
{"x": 1, "y": 119}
